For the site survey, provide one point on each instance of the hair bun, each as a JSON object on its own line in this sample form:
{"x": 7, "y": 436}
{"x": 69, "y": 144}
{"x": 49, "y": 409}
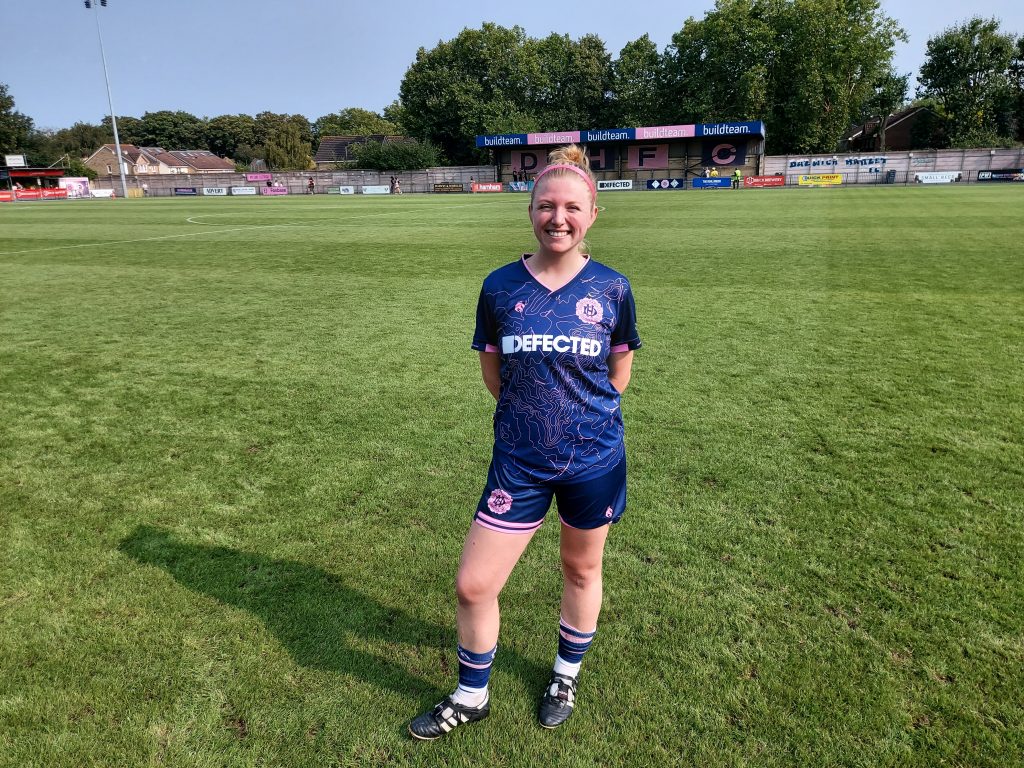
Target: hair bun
{"x": 570, "y": 155}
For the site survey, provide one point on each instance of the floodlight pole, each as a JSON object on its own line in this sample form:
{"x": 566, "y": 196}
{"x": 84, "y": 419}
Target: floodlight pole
{"x": 110, "y": 100}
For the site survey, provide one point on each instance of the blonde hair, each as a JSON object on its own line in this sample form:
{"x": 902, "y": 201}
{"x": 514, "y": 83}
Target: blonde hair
{"x": 573, "y": 155}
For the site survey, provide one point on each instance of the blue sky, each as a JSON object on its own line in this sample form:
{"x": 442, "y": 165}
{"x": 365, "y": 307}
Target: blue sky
{"x": 212, "y": 57}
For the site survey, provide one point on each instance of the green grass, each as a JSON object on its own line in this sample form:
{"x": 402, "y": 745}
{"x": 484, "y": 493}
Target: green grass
{"x": 238, "y": 459}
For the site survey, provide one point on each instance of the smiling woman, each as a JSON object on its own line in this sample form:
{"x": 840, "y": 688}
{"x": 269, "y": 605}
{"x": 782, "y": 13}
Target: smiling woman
{"x": 556, "y": 333}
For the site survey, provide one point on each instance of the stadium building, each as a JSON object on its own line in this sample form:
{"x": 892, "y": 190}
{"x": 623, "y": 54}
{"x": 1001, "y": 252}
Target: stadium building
{"x": 662, "y": 157}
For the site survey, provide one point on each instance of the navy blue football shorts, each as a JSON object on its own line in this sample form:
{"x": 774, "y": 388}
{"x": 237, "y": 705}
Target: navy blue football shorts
{"x": 512, "y": 504}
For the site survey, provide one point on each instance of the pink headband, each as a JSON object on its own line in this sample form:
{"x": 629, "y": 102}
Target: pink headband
{"x": 567, "y": 167}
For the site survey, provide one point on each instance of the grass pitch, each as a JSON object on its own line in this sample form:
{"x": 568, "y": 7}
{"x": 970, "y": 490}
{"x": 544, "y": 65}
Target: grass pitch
{"x": 242, "y": 439}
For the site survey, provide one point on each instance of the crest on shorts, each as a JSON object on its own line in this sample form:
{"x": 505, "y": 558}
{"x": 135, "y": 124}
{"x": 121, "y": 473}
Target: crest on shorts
{"x": 499, "y": 502}
{"x": 589, "y": 310}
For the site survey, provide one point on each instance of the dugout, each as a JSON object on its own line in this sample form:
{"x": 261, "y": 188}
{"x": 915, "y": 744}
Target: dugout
{"x": 670, "y": 152}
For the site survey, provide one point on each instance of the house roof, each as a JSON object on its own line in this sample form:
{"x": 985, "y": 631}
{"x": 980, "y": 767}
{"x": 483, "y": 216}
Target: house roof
{"x": 871, "y": 126}
{"x": 202, "y": 160}
{"x": 338, "y": 148}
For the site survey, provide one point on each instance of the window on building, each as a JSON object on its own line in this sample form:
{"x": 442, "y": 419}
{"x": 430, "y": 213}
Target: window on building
{"x": 108, "y": 168}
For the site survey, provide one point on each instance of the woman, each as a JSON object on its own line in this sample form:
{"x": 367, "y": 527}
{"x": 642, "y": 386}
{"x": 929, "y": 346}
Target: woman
{"x": 556, "y": 332}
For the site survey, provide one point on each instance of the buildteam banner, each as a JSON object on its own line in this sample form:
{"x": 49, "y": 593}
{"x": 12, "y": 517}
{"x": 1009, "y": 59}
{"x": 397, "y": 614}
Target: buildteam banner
{"x": 647, "y": 133}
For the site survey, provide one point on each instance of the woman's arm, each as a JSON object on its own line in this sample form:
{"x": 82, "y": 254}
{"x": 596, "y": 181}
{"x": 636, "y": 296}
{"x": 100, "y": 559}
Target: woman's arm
{"x": 620, "y": 366}
{"x": 490, "y": 367}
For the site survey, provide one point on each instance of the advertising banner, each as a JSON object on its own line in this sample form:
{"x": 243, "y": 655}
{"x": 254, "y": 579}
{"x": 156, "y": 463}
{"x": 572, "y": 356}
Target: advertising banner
{"x": 1002, "y": 174}
{"x": 6, "y": 196}
{"x": 341, "y": 190}
{"x": 666, "y": 132}
{"x": 77, "y": 186}
{"x": 243, "y": 191}
{"x": 665, "y": 184}
{"x": 520, "y": 186}
{"x": 820, "y": 180}
{"x": 615, "y": 184}
{"x": 105, "y": 193}
{"x": 488, "y": 186}
{"x": 376, "y": 189}
{"x": 14, "y": 161}
{"x": 449, "y": 186}
{"x": 258, "y": 177}
{"x": 764, "y": 181}
{"x": 54, "y": 193}
{"x": 647, "y": 156}
{"x": 182, "y": 191}
{"x": 28, "y": 194}
{"x": 273, "y": 190}
{"x": 715, "y": 182}
{"x": 215, "y": 191}
{"x": 938, "y": 177}
{"x": 724, "y": 152}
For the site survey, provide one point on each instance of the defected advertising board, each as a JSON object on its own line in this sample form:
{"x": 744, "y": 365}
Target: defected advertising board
{"x": 820, "y": 179}
{"x": 1002, "y": 174}
{"x": 215, "y": 191}
{"x": 665, "y": 184}
{"x": 764, "y": 181}
{"x": 186, "y": 191}
{"x": 243, "y": 191}
{"x": 376, "y": 189}
{"x": 713, "y": 182}
{"x": 610, "y": 184}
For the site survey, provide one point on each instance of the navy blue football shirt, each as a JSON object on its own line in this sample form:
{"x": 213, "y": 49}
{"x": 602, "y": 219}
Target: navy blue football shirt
{"x": 558, "y": 415}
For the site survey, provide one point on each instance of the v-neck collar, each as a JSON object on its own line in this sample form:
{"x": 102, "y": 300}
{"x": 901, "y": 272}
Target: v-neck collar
{"x": 545, "y": 286}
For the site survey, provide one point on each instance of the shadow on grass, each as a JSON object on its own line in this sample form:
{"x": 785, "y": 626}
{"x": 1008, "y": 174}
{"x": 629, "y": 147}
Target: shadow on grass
{"x": 316, "y": 616}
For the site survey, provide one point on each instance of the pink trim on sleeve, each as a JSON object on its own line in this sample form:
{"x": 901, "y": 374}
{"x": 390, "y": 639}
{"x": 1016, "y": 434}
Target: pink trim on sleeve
{"x": 490, "y": 348}
{"x": 620, "y": 348}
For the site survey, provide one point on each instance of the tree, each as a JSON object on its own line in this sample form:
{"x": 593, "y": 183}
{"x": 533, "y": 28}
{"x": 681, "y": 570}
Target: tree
{"x": 888, "y": 94}
{"x": 804, "y": 66}
{"x": 572, "y": 84}
{"x": 285, "y": 149}
{"x": 967, "y": 70}
{"x": 269, "y": 123}
{"x": 15, "y": 128}
{"x": 226, "y": 133}
{"x": 396, "y": 156}
{"x": 353, "y": 121}
{"x": 171, "y": 130}
{"x": 480, "y": 82}
{"x": 129, "y": 129}
{"x": 637, "y": 76}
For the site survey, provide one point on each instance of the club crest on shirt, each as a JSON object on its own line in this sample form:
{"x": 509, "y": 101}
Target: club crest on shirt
{"x": 520, "y": 306}
{"x": 589, "y": 310}
{"x": 499, "y": 502}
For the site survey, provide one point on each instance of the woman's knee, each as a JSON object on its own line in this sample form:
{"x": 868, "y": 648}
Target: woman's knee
{"x": 474, "y": 589}
{"x": 581, "y": 573}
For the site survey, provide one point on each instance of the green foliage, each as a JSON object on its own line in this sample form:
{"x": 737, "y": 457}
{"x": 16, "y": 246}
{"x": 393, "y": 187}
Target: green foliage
{"x": 637, "y": 85}
{"x": 167, "y": 129}
{"x": 970, "y": 70}
{"x": 269, "y": 123}
{"x": 226, "y": 133}
{"x": 806, "y": 67}
{"x": 396, "y": 156}
{"x": 129, "y": 129}
{"x": 15, "y": 128}
{"x": 354, "y": 121}
{"x": 286, "y": 150}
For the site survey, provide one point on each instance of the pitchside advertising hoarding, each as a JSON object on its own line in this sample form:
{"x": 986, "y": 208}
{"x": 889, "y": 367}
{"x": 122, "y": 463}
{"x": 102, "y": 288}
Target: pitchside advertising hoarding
{"x": 1002, "y": 174}
{"x": 665, "y": 184}
{"x": 711, "y": 183}
{"x": 613, "y": 184}
{"x": 258, "y": 177}
{"x": 77, "y": 186}
{"x": 820, "y": 180}
{"x": 273, "y": 191}
{"x": 938, "y": 177}
{"x": 488, "y": 186}
{"x": 449, "y": 187}
{"x": 243, "y": 191}
{"x": 215, "y": 191}
{"x": 48, "y": 193}
{"x": 764, "y": 181}
{"x": 376, "y": 189}
{"x": 186, "y": 191}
